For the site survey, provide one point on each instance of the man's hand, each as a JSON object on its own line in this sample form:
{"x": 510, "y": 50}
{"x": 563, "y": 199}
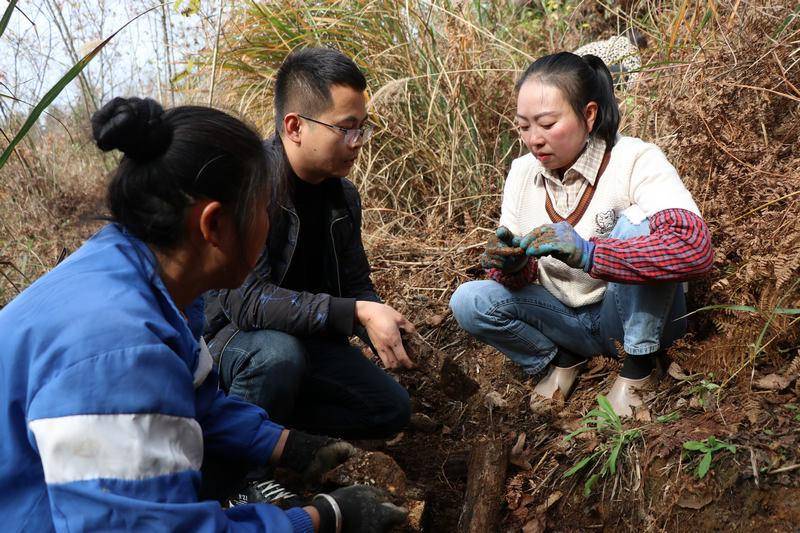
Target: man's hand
{"x": 313, "y": 455}
{"x": 560, "y": 241}
{"x": 502, "y": 254}
{"x": 383, "y": 325}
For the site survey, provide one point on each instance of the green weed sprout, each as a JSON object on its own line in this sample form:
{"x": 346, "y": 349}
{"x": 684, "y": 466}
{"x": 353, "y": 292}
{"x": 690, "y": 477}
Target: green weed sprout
{"x": 604, "y": 421}
{"x": 704, "y": 389}
{"x": 708, "y": 447}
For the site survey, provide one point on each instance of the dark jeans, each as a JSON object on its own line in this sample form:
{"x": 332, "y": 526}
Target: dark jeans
{"x": 320, "y": 385}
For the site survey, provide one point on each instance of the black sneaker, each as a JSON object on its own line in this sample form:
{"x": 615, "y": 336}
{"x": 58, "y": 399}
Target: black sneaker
{"x": 266, "y": 491}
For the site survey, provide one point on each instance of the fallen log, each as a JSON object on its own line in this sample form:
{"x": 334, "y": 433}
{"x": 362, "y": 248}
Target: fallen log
{"x": 486, "y": 476}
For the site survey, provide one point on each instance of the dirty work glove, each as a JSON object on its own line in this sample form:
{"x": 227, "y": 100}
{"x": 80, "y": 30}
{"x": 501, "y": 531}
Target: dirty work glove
{"x": 313, "y": 455}
{"x": 362, "y": 509}
{"x": 501, "y": 254}
{"x": 560, "y": 241}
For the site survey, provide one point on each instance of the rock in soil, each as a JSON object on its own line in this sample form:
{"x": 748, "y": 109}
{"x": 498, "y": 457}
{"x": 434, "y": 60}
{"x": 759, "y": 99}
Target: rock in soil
{"x": 370, "y": 468}
{"x": 423, "y": 423}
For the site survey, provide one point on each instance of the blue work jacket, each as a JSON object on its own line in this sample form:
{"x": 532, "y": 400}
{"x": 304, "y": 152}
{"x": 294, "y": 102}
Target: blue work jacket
{"x": 109, "y": 401}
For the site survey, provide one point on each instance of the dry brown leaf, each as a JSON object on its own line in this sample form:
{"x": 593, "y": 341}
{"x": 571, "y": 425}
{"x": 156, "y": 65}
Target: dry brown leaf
{"x": 676, "y": 372}
{"x": 494, "y": 400}
{"x": 689, "y": 500}
{"x": 753, "y": 414}
{"x": 535, "y": 525}
{"x": 772, "y": 382}
{"x": 521, "y": 512}
{"x": 551, "y": 500}
{"x": 518, "y": 456}
{"x": 793, "y": 369}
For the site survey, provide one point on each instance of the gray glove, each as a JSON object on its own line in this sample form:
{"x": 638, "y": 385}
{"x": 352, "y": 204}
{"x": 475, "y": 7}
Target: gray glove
{"x": 362, "y": 509}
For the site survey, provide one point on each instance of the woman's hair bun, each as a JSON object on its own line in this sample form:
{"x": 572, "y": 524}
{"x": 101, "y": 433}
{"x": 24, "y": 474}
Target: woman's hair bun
{"x": 134, "y": 126}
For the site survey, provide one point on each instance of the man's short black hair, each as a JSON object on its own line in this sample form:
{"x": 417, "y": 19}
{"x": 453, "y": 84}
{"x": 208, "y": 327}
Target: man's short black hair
{"x": 303, "y": 82}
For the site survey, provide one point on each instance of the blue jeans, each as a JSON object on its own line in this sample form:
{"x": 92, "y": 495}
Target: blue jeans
{"x": 318, "y": 384}
{"x": 529, "y": 325}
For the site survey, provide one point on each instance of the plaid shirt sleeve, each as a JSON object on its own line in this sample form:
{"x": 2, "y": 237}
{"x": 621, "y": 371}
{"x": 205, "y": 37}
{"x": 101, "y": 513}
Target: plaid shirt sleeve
{"x": 677, "y": 249}
{"x": 517, "y": 280}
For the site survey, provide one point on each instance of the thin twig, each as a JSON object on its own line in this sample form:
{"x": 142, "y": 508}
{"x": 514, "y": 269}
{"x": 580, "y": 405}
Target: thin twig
{"x": 784, "y": 469}
{"x": 214, "y": 58}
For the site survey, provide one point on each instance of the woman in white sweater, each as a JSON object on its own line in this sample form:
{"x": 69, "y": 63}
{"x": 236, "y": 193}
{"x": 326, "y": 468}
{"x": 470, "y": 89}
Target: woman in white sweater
{"x": 596, "y": 234}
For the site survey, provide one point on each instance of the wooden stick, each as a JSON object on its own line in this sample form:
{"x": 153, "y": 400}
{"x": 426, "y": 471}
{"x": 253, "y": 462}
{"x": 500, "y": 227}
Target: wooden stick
{"x": 485, "y": 483}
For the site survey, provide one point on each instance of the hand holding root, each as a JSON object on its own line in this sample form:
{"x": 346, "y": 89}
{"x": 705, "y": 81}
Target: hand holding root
{"x": 501, "y": 252}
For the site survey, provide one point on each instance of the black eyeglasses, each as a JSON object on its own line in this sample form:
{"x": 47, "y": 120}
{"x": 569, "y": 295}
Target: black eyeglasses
{"x": 351, "y": 135}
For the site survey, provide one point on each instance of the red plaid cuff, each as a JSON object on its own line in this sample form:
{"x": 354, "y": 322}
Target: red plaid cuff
{"x": 517, "y": 280}
{"x": 677, "y": 249}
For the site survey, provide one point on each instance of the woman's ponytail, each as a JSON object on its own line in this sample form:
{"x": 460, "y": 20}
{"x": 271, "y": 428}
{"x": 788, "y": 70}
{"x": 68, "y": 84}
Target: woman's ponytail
{"x": 607, "y": 122}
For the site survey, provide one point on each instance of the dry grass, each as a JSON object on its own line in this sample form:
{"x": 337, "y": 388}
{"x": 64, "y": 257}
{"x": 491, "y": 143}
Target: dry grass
{"x": 49, "y": 193}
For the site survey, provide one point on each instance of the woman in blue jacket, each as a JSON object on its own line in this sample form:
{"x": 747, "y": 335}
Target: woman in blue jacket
{"x": 110, "y": 404}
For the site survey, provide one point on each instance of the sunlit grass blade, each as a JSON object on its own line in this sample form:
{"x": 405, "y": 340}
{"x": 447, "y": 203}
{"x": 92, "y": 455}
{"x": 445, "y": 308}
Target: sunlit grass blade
{"x": 587, "y": 487}
{"x": 7, "y": 16}
{"x": 746, "y": 309}
{"x": 56, "y": 89}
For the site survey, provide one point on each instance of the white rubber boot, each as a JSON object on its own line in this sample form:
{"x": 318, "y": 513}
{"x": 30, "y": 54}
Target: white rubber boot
{"x": 623, "y": 395}
{"x": 558, "y": 378}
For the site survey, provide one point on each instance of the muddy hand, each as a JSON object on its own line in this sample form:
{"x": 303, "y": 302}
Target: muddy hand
{"x": 383, "y": 325}
{"x": 560, "y": 241}
{"x": 500, "y": 253}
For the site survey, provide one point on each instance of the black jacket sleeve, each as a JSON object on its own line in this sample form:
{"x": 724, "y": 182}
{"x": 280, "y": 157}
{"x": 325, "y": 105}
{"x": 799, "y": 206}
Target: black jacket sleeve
{"x": 261, "y": 304}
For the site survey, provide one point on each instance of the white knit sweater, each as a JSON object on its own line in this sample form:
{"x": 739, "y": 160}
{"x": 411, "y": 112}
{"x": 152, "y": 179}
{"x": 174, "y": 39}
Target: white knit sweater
{"x": 638, "y": 182}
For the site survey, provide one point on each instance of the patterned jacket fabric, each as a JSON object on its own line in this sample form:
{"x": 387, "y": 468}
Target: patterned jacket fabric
{"x": 621, "y": 57}
{"x": 677, "y": 249}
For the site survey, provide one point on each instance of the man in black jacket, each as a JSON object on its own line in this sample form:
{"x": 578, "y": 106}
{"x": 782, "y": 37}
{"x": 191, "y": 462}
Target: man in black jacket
{"x": 281, "y": 339}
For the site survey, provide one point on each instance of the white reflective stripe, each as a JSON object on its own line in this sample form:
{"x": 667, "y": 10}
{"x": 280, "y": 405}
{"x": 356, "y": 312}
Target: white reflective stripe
{"x": 204, "y": 364}
{"x": 124, "y": 446}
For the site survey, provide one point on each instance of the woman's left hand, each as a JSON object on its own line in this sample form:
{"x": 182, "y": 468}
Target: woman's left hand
{"x": 560, "y": 241}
